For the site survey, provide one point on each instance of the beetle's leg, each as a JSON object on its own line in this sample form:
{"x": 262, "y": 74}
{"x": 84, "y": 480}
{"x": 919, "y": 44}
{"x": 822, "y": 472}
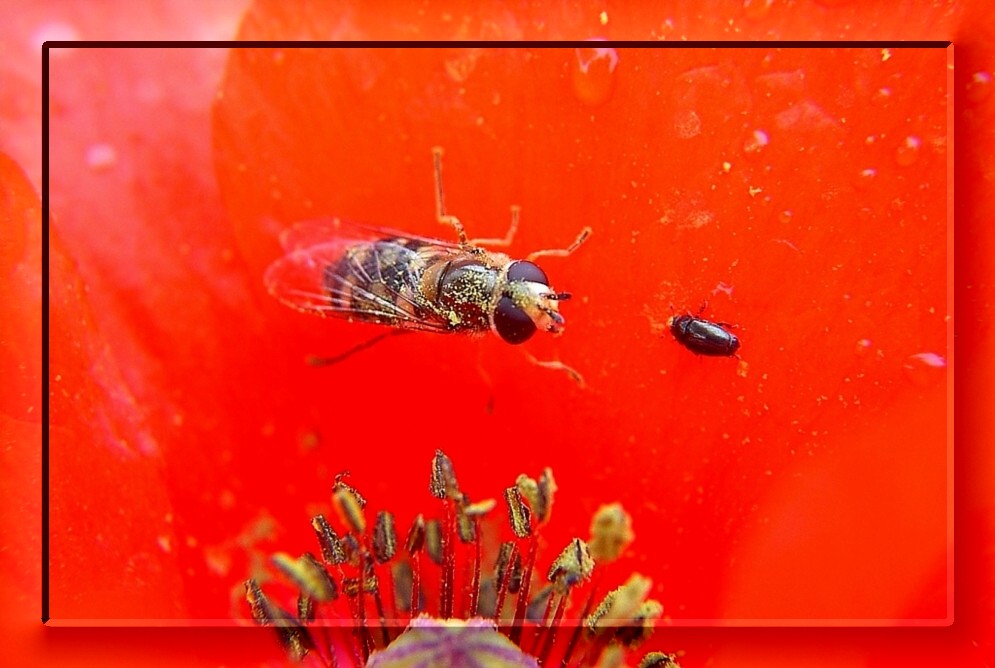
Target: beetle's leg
{"x": 440, "y": 202}
{"x": 562, "y": 252}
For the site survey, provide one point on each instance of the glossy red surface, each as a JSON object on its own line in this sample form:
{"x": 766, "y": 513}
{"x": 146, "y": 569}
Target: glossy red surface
{"x": 181, "y": 360}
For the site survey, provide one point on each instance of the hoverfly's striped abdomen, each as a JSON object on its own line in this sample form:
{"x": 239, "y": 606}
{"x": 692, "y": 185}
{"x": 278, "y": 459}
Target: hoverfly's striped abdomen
{"x": 401, "y": 281}
{"x": 380, "y": 282}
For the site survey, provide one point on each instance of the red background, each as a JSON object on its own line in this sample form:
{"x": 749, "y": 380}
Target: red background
{"x": 777, "y": 494}
{"x": 204, "y": 256}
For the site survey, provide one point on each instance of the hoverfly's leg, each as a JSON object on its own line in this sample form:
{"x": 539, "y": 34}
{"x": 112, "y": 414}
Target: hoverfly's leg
{"x": 509, "y": 235}
{"x": 562, "y": 252}
{"x": 314, "y": 360}
{"x": 556, "y": 365}
{"x": 440, "y": 201}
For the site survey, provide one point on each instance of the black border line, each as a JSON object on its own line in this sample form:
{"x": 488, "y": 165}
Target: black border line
{"x": 44, "y": 336}
{"x": 655, "y": 44}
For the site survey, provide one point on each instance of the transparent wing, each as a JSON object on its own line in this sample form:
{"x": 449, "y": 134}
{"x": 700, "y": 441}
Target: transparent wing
{"x": 345, "y": 277}
{"x": 311, "y": 233}
{"x": 297, "y": 279}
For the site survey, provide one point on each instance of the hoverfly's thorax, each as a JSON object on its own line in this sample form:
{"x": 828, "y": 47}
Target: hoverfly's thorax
{"x": 464, "y": 291}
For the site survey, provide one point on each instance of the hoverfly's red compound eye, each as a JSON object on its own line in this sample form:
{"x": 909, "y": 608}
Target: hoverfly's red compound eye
{"x": 523, "y": 270}
{"x": 512, "y": 323}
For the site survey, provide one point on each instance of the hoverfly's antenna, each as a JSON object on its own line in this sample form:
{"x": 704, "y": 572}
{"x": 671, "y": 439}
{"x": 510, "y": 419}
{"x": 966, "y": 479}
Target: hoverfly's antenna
{"x": 440, "y": 201}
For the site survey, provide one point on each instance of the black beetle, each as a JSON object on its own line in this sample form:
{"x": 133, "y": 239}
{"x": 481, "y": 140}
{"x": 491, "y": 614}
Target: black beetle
{"x": 703, "y": 337}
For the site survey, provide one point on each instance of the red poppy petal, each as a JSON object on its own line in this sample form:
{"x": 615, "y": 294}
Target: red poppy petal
{"x": 772, "y": 185}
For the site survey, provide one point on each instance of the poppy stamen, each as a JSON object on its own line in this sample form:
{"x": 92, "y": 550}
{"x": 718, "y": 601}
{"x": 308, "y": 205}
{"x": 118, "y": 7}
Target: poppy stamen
{"x": 358, "y": 562}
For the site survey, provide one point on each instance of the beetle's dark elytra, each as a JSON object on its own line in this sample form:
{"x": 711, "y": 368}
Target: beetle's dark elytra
{"x": 703, "y": 337}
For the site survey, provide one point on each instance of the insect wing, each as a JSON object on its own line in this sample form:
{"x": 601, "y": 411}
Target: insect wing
{"x": 709, "y": 338}
{"x": 309, "y": 276}
{"x": 313, "y": 233}
{"x": 298, "y": 278}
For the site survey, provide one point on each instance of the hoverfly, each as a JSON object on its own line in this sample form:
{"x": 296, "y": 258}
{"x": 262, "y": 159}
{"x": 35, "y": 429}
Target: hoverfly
{"x": 411, "y": 283}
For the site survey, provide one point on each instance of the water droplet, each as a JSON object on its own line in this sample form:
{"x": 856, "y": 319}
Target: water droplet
{"x": 866, "y": 177}
{"x": 594, "y": 74}
{"x": 785, "y": 217}
{"x": 979, "y": 87}
{"x": 882, "y": 95}
{"x": 864, "y": 346}
{"x": 100, "y": 157}
{"x": 925, "y": 369}
{"x": 687, "y": 124}
{"x": 757, "y": 141}
{"x": 908, "y": 151}
{"x": 930, "y": 359}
